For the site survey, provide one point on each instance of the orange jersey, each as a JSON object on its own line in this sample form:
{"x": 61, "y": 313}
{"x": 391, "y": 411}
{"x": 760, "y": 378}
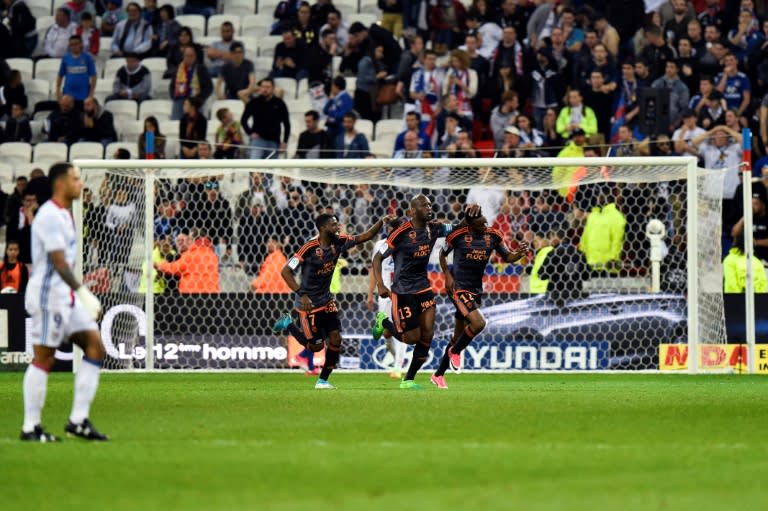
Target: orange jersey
{"x": 197, "y": 269}
{"x": 269, "y": 279}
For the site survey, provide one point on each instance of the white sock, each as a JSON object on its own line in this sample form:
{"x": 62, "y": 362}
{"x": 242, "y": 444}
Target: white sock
{"x": 86, "y": 383}
{"x": 35, "y": 386}
{"x": 400, "y": 348}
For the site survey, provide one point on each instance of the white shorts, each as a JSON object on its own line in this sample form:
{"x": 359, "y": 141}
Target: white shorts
{"x": 385, "y": 305}
{"x": 51, "y": 327}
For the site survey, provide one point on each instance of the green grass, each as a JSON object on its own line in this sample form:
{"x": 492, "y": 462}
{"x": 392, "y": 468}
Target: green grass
{"x": 271, "y": 442}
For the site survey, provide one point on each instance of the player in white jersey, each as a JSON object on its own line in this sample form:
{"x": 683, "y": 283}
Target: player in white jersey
{"x": 395, "y": 347}
{"x": 61, "y": 308}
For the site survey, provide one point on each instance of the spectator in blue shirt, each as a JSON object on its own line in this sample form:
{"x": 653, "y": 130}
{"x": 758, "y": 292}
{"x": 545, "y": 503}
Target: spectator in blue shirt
{"x": 413, "y": 123}
{"x": 337, "y": 106}
{"x": 78, "y": 72}
{"x": 350, "y": 143}
{"x": 734, "y": 85}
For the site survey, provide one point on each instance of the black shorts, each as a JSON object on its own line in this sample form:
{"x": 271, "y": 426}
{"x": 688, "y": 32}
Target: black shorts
{"x": 407, "y": 309}
{"x": 465, "y": 302}
{"x": 317, "y": 324}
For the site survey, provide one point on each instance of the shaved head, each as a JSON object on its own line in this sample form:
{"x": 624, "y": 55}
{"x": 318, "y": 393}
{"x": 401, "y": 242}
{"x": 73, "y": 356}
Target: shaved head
{"x": 418, "y": 200}
{"x": 421, "y": 208}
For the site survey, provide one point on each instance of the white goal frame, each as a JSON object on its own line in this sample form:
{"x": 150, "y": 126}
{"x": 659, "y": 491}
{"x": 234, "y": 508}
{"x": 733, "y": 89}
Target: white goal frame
{"x": 295, "y": 167}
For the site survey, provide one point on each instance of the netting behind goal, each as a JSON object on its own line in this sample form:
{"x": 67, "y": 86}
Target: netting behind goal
{"x": 220, "y": 237}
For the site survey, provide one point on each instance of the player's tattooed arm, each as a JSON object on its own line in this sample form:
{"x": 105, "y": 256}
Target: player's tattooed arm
{"x": 373, "y": 230}
{"x": 449, "y": 283}
{"x": 59, "y": 262}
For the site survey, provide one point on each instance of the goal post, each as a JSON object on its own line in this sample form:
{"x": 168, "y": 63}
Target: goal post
{"x": 612, "y": 321}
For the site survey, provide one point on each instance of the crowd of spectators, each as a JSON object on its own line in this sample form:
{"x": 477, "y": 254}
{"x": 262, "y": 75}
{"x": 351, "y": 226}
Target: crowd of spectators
{"x": 505, "y": 78}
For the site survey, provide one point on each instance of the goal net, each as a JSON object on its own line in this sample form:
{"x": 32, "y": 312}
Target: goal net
{"x": 186, "y": 254}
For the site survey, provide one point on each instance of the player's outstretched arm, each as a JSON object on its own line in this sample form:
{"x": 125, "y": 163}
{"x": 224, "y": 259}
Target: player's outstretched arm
{"x": 87, "y": 299}
{"x": 290, "y": 279}
{"x": 373, "y": 230}
{"x": 382, "y": 289}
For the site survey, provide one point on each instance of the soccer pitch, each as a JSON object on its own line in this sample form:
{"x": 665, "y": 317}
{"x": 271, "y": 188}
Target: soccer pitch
{"x": 271, "y": 442}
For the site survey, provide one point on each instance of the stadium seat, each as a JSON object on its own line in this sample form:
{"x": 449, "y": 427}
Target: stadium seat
{"x": 348, "y": 8}
{"x": 336, "y": 64}
{"x": 298, "y": 105}
{"x": 105, "y": 50}
{"x": 170, "y": 129}
{"x": 37, "y": 131}
{"x": 251, "y": 43}
{"x": 215, "y": 21}
{"x": 235, "y": 106}
{"x": 206, "y": 41}
{"x": 239, "y": 7}
{"x": 262, "y": 65}
{"x": 389, "y": 126}
{"x": 103, "y": 90}
{"x": 485, "y": 148}
{"x": 132, "y": 147}
{"x": 195, "y": 22}
{"x": 160, "y": 87}
{"x": 130, "y": 131}
{"x": 7, "y": 176}
{"x": 86, "y": 151}
{"x": 171, "y": 148}
{"x": 291, "y": 146}
{"x": 289, "y": 87}
{"x": 297, "y": 122}
{"x": 50, "y": 152}
{"x": 39, "y": 9}
{"x": 267, "y": 6}
{"x": 154, "y": 64}
{"x": 124, "y": 107}
{"x": 25, "y": 66}
{"x": 37, "y": 91}
{"x": 20, "y": 152}
{"x": 351, "y": 84}
{"x": 369, "y": 7}
{"x": 256, "y": 24}
{"x": 365, "y": 127}
{"x": 43, "y": 22}
{"x": 160, "y": 108}
{"x": 267, "y": 45}
{"x": 381, "y": 148}
{"x": 111, "y": 67}
{"x": 41, "y": 115}
{"x": 47, "y": 69}
{"x": 39, "y": 51}
{"x": 302, "y": 87}
{"x": 210, "y": 133}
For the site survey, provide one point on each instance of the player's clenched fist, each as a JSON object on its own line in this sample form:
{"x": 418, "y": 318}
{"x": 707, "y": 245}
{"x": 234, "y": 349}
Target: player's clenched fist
{"x": 383, "y": 291}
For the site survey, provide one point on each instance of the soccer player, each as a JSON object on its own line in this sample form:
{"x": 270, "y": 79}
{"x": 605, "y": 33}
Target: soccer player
{"x": 318, "y": 318}
{"x": 61, "y": 308}
{"x": 472, "y": 247}
{"x": 395, "y": 347}
{"x": 413, "y": 302}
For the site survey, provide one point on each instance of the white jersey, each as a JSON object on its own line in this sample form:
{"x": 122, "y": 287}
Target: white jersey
{"x": 387, "y": 264}
{"x": 53, "y": 229}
